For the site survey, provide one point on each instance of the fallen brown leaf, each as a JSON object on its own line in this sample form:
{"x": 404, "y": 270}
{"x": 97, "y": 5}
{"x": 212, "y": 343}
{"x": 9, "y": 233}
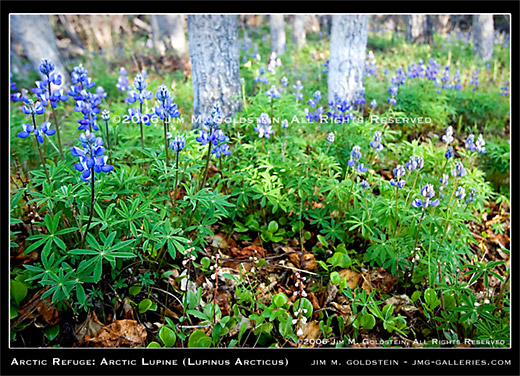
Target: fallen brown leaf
{"x": 121, "y": 333}
{"x": 89, "y": 328}
{"x": 351, "y": 276}
{"x": 249, "y": 251}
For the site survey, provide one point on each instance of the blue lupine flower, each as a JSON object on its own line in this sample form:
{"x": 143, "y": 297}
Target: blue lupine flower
{"x": 373, "y": 104}
{"x": 504, "y": 89}
{"x": 444, "y": 182}
{"x": 399, "y": 172}
{"x": 285, "y": 124}
{"x": 91, "y": 156}
{"x": 457, "y": 81}
{"x": 141, "y": 94}
{"x": 370, "y": 65}
{"x": 27, "y": 129}
{"x": 471, "y": 196}
{"x": 46, "y": 66}
{"x": 459, "y": 169}
{"x": 479, "y": 144}
{"x": 15, "y": 97}
{"x": 474, "y": 80}
{"x": 105, "y": 115}
{"x": 470, "y": 143}
{"x": 298, "y": 90}
{"x": 122, "y": 81}
{"x": 331, "y": 137}
{"x": 43, "y": 89}
{"x": 356, "y": 152}
{"x": 317, "y": 95}
{"x": 427, "y": 192}
{"x": 32, "y": 108}
{"x": 364, "y": 185}
{"x": 101, "y": 92}
{"x": 460, "y": 193}
{"x": 376, "y": 141}
{"x": 273, "y": 92}
{"x": 178, "y": 143}
{"x": 162, "y": 93}
{"x": 264, "y": 127}
{"x": 203, "y": 138}
{"x": 167, "y": 109}
{"x": 361, "y": 169}
{"x": 221, "y": 150}
{"x": 284, "y": 81}
{"x": 448, "y": 137}
{"x": 449, "y": 152}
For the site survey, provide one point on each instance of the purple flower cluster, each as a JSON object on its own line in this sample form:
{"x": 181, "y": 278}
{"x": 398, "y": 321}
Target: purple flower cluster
{"x": 90, "y": 156}
{"x": 298, "y": 90}
{"x": 340, "y": 110}
{"x": 86, "y": 102}
{"x": 166, "y": 108}
{"x": 214, "y": 135}
{"x": 398, "y": 181}
{"x": 33, "y": 109}
{"x": 473, "y": 145}
{"x": 355, "y": 156}
{"x": 376, "y": 141}
{"x": 318, "y": 112}
{"x": 427, "y": 192}
{"x": 122, "y": 80}
{"x": 263, "y": 126}
{"x": 370, "y": 65}
{"x": 43, "y": 89}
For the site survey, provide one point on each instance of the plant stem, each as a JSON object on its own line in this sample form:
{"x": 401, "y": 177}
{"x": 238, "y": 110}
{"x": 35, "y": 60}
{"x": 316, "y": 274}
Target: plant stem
{"x": 176, "y": 182}
{"x": 108, "y": 136}
{"x": 92, "y": 185}
{"x": 43, "y": 161}
{"x": 207, "y": 165}
{"x": 141, "y": 124}
{"x": 409, "y": 276}
{"x": 55, "y": 120}
{"x": 166, "y": 142}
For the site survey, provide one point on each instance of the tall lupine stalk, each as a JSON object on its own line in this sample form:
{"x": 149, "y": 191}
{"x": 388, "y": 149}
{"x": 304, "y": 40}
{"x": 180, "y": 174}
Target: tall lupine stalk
{"x": 165, "y": 110}
{"x": 105, "y": 115}
{"x": 33, "y": 109}
{"x": 428, "y": 193}
{"x": 91, "y": 161}
{"x": 285, "y": 124}
{"x": 214, "y": 138}
{"x": 86, "y": 102}
{"x": 140, "y": 94}
{"x": 264, "y": 128}
{"x": 45, "y": 93}
{"x": 177, "y": 145}
{"x": 273, "y": 93}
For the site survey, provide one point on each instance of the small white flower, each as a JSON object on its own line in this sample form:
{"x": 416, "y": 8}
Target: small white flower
{"x": 299, "y": 333}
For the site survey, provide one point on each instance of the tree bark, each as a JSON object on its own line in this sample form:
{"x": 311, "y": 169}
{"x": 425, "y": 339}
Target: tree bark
{"x": 348, "y": 43}
{"x": 168, "y": 30}
{"x": 418, "y": 28}
{"x": 325, "y": 24}
{"x": 277, "y": 34}
{"x": 38, "y": 41}
{"x": 484, "y": 35}
{"x": 213, "y": 46}
{"x": 298, "y": 31}
{"x": 444, "y": 23}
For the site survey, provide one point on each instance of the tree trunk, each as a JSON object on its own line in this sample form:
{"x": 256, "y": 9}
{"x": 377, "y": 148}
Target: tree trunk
{"x": 444, "y": 23}
{"x": 312, "y": 23}
{"x": 277, "y": 34}
{"x": 484, "y": 34}
{"x": 298, "y": 31}
{"x": 38, "y": 41}
{"x": 168, "y": 30}
{"x": 418, "y": 28}
{"x": 325, "y": 24}
{"x": 213, "y": 46}
{"x": 348, "y": 43}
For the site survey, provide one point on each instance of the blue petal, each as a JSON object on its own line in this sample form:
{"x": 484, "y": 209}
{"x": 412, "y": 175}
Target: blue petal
{"x": 85, "y": 174}
{"x": 107, "y": 168}
{"x": 78, "y": 166}
{"x": 90, "y": 162}
{"x": 23, "y": 134}
{"x": 435, "y": 203}
{"x": 417, "y": 203}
